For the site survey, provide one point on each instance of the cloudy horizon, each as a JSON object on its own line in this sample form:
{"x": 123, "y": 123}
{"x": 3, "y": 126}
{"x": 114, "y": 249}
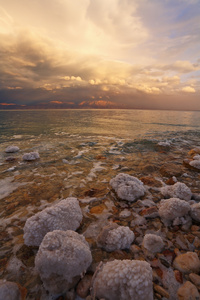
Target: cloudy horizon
{"x": 118, "y": 53}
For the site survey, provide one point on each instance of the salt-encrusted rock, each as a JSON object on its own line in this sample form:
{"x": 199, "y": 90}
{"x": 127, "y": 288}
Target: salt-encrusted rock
{"x": 172, "y": 208}
{"x": 178, "y": 190}
{"x": 62, "y": 257}
{"x": 114, "y": 237}
{"x": 164, "y": 144}
{"x": 195, "y": 163}
{"x": 187, "y": 262}
{"x": 65, "y": 215}
{"x": 188, "y": 291}
{"x": 195, "y": 212}
{"x": 31, "y": 156}
{"x": 127, "y": 187}
{"x": 12, "y": 149}
{"x": 153, "y": 243}
{"x": 9, "y": 290}
{"x": 124, "y": 279}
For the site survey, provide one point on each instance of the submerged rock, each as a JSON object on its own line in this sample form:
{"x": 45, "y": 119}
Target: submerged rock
{"x": 62, "y": 257}
{"x": 127, "y": 187}
{"x": 114, "y": 237}
{"x": 178, "y": 190}
{"x": 9, "y": 290}
{"x": 124, "y": 279}
{"x": 12, "y": 149}
{"x": 31, "y": 156}
{"x": 65, "y": 215}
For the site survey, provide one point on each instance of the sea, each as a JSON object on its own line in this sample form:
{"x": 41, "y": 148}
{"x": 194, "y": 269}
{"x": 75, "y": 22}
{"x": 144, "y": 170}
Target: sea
{"x": 80, "y": 151}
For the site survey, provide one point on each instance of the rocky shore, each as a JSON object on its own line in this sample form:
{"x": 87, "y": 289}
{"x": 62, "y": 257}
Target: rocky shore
{"x": 117, "y": 226}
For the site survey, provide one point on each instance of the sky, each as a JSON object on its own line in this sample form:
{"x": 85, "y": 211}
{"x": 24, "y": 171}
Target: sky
{"x": 115, "y": 53}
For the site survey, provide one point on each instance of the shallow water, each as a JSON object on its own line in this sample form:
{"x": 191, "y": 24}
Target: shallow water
{"x": 80, "y": 151}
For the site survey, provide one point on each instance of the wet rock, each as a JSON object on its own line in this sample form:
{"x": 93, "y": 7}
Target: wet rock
{"x": 170, "y": 170}
{"x": 195, "y": 279}
{"x": 9, "y": 290}
{"x": 161, "y": 291}
{"x": 178, "y": 275}
{"x": 12, "y": 149}
{"x": 194, "y": 151}
{"x": 62, "y": 257}
{"x": 151, "y": 181}
{"x": 187, "y": 263}
{"x": 83, "y": 286}
{"x": 188, "y": 291}
{"x": 150, "y": 212}
{"x": 11, "y": 159}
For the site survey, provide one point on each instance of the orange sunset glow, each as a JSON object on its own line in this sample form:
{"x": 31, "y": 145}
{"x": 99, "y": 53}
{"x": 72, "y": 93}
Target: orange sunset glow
{"x": 128, "y": 54}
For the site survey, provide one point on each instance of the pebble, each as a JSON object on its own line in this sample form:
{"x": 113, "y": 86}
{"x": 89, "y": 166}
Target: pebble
{"x": 187, "y": 262}
{"x": 188, "y": 291}
{"x": 12, "y": 149}
{"x": 160, "y": 290}
{"x": 83, "y": 286}
{"x": 9, "y": 290}
{"x": 195, "y": 279}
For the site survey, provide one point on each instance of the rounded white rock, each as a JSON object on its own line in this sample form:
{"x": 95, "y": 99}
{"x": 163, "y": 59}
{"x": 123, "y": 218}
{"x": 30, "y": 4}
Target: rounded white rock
{"x": 124, "y": 279}
{"x": 127, "y": 187}
{"x": 65, "y": 215}
{"x": 62, "y": 258}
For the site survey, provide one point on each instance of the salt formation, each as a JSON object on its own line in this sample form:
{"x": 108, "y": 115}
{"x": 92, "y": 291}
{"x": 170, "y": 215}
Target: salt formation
{"x": 195, "y": 162}
{"x": 178, "y": 190}
{"x": 153, "y": 243}
{"x": 9, "y": 290}
{"x": 62, "y": 257}
{"x": 124, "y": 279}
{"x": 195, "y": 211}
{"x": 127, "y": 187}
{"x": 173, "y": 208}
{"x": 31, "y": 156}
{"x": 65, "y": 215}
{"x": 12, "y": 149}
{"x": 164, "y": 144}
{"x": 114, "y": 237}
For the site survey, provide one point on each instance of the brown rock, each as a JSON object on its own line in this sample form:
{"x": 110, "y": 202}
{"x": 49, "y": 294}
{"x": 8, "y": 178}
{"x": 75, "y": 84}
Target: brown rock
{"x": 170, "y": 170}
{"x": 98, "y": 209}
{"x": 178, "y": 275}
{"x": 151, "y": 181}
{"x": 194, "y": 151}
{"x": 188, "y": 291}
{"x": 195, "y": 279}
{"x": 150, "y": 212}
{"x": 83, "y": 286}
{"x": 160, "y": 290}
{"x": 187, "y": 262}
{"x": 197, "y": 242}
